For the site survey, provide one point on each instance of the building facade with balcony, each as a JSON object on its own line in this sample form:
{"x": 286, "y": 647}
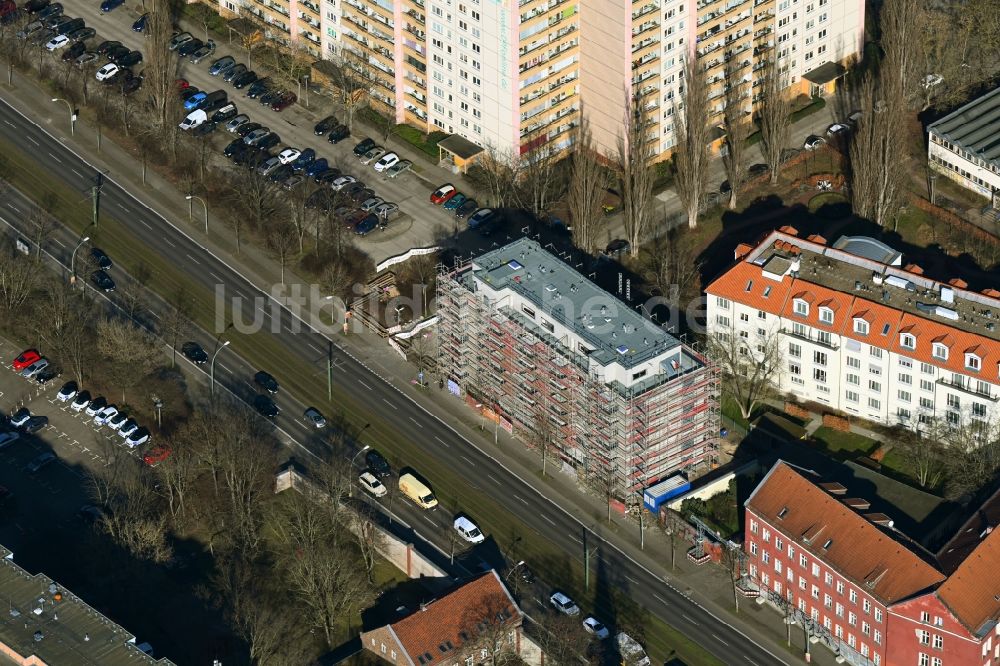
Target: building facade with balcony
{"x": 861, "y": 333}
{"x": 860, "y": 587}
{"x": 563, "y": 364}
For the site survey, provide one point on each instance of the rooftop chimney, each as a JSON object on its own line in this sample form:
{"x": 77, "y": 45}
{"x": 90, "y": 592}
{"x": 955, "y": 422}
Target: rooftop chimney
{"x": 857, "y": 503}
{"x": 833, "y": 488}
{"x": 879, "y": 519}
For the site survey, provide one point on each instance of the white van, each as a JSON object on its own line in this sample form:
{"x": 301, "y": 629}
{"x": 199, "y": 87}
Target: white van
{"x": 193, "y": 119}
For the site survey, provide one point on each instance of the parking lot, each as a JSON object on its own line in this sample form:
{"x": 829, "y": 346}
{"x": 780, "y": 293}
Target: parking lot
{"x": 416, "y": 224}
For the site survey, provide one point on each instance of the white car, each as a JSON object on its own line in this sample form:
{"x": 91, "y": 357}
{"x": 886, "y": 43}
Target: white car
{"x": 372, "y": 484}
{"x": 388, "y": 160}
{"x": 127, "y": 428}
{"x": 57, "y": 42}
{"x": 932, "y": 80}
{"x": 342, "y": 182}
{"x": 289, "y": 155}
{"x": 468, "y": 530}
{"x": 813, "y": 142}
{"x": 80, "y": 402}
{"x": 117, "y": 421}
{"x": 67, "y": 392}
{"x": 96, "y": 406}
{"x": 108, "y": 71}
{"x": 836, "y": 128}
{"x": 193, "y": 119}
{"x": 20, "y": 417}
{"x": 564, "y": 604}
{"x": 372, "y": 155}
{"x": 138, "y": 437}
{"x": 105, "y": 415}
{"x": 592, "y": 626}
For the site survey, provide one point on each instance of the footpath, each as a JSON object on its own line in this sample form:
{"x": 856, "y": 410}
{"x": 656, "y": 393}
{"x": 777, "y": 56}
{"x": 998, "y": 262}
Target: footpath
{"x": 708, "y": 585}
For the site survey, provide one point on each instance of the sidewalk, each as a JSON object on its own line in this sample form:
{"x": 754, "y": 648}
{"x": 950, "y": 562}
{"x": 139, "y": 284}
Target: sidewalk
{"x": 707, "y": 586}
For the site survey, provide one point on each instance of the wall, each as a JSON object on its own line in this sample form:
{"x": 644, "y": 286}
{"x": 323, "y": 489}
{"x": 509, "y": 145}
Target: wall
{"x": 605, "y": 68}
{"x": 904, "y": 622}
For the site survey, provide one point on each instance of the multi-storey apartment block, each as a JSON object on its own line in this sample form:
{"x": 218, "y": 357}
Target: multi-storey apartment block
{"x": 862, "y": 588}
{"x": 529, "y": 338}
{"x": 514, "y": 76}
{"x": 863, "y": 334}
{"x": 964, "y": 146}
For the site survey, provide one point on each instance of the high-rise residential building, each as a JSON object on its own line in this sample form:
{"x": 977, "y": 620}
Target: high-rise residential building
{"x": 514, "y": 76}
{"x": 548, "y": 353}
{"x": 860, "y": 332}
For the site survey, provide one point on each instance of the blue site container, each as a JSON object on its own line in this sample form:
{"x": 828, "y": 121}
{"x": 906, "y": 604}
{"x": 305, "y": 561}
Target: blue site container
{"x": 654, "y": 496}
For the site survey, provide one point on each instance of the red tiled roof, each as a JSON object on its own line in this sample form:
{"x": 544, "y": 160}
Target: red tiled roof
{"x": 973, "y": 591}
{"x": 857, "y": 549}
{"x": 733, "y": 286}
{"x": 448, "y": 618}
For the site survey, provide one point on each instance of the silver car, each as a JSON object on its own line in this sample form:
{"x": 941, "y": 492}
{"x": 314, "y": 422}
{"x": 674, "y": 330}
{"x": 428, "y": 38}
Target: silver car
{"x": 237, "y": 122}
{"x": 35, "y": 368}
{"x": 370, "y": 204}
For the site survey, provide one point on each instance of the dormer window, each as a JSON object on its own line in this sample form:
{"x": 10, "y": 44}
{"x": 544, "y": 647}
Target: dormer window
{"x": 939, "y": 351}
{"x": 973, "y": 362}
{"x": 907, "y": 341}
{"x": 801, "y": 307}
{"x": 826, "y": 315}
{"x": 861, "y": 327}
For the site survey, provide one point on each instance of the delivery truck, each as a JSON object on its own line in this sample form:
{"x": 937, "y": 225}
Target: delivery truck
{"x": 417, "y": 491}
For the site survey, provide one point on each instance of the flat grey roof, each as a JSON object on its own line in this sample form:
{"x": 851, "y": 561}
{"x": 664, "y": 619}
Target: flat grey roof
{"x": 460, "y": 146}
{"x": 975, "y": 127}
{"x": 869, "y": 248}
{"x": 618, "y": 334}
{"x": 47, "y": 620}
{"x": 825, "y": 73}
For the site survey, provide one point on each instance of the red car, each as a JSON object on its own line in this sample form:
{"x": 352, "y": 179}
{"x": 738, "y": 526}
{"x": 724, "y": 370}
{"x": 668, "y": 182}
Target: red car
{"x": 284, "y": 101}
{"x": 157, "y": 455}
{"x": 27, "y": 357}
{"x": 182, "y": 84}
{"x": 442, "y": 194}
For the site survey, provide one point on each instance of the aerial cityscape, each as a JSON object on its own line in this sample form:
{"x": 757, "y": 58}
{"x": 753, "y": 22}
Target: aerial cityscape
{"x": 463, "y": 333}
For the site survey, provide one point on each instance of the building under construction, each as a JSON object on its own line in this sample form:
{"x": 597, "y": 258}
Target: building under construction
{"x": 568, "y": 367}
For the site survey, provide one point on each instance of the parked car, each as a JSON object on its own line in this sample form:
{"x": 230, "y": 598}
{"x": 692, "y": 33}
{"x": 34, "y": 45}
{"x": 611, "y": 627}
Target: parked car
{"x": 269, "y": 141}
{"x": 189, "y": 47}
{"x": 227, "y": 112}
{"x": 325, "y": 125}
{"x": 371, "y": 203}
{"x": 372, "y": 155}
{"x": 35, "y": 6}
{"x": 468, "y": 530}
{"x": 221, "y": 65}
{"x": 813, "y": 142}
{"x": 35, "y": 423}
{"x": 564, "y": 604}
{"x": 593, "y": 626}
{"x": 157, "y": 454}
{"x": 54, "y": 9}
{"x": 270, "y": 96}
{"x": 140, "y": 23}
{"x": 107, "y": 72}
{"x": 106, "y": 46}
{"x": 20, "y": 417}
{"x": 385, "y": 210}
{"x": 129, "y": 59}
{"x": 837, "y": 129}
{"x": 289, "y": 155}
{"x": 202, "y": 52}
{"x": 243, "y": 80}
{"x": 468, "y": 207}
{"x": 105, "y": 415}
{"x": 339, "y": 133}
{"x": 47, "y": 375}
{"x": 193, "y": 119}
{"x": 342, "y": 182}
{"x": 364, "y": 146}
{"x": 116, "y": 52}
{"x": 243, "y": 130}
{"x": 96, "y": 405}
{"x": 193, "y": 352}
{"x": 481, "y": 216}
{"x": 442, "y": 194}
{"x": 117, "y": 421}
{"x": 253, "y": 137}
{"x": 371, "y": 485}
{"x": 110, "y": 5}
{"x": 57, "y": 43}
{"x": 400, "y": 167}
{"x": 358, "y": 192}
{"x": 305, "y": 158}
{"x": 102, "y": 281}
{"x": 386, "y": 161}
{"x": 326, "y": 176}
{"x": 236, "y": 122}
{"x": 317, "y": 166}
{"x": 367, "y": 224}
{"x": 285, "y": 101}
{"x": 81, "y": 401}
{"x": 137, "y": 438}
{"x": 81, "y": 35}
{"x": 377, "y": 464}
{"x": 74, "y": 51}
{"x": 259, "y": 87}
{"x": 67, "y": 392}
{"x": 292, "y": 181}
{"x": 86, "y": 58}
{"x": 24, "y": 359}
{"x": 39, "y": 462}
{"x": 127, "y": 428}
{"x": 314, "y": 417}
{"x": 100, "y": 259}
{"x": 35, "y": 368}
{"x": 265, "y": 406}
{"x": 454, "y": 202}
{"x": 234, "y": 71}
{"x": 235, "y": 149}
{"x": 179, "y": 40}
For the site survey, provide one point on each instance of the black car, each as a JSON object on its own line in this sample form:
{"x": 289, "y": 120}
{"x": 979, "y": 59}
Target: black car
{"x": 47, "y": 375}
{"x": 129, "y": 59}
{"x": 468, "y": 207}
{"x": 246, "y": 128}
{"x": 339, "y": 133}
{"x": 74, "y": 51}
{"x": 266, "y": 381}
{"x": 205, "y": 128}
{"x": 226, "y": 113}
{"x": 235, "y": 147}
{"x": 271, "y": 96}
{"x": 377, "y": 464}
{"x": 82, "y": 34}
{"x": 189, "y": 47}
{"x": 281, "y": 173}
{"x": 35, "y": 423}
{"x": 35, "y": 6}
{"x": 327, "y": 176}
{"x": 259, "y": 87}
{"x": 104, "y": 47}
{"x": 254, "y": 157}
{"x": 325, "y": 125}
{"x": 364, "y": 146}
{"x": 234, "y": 71}
{"x": 55, "y": 9}
{"x": 758, "y": 170}
{"x": 269, "y": 141}
{"x": 193, "y": 352}
{"x": 101, "y": 259}
{"x": 189, "y": 92}
{"x": 116, "y": 52}
{"x": 140, "y": 23}
{"x": 102, "y": 281}
{"x": 131, "y": 84}
{"x": 265, "y": 406}
{"x": 243, "y": 80}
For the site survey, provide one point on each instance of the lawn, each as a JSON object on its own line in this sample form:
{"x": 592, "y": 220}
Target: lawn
{"x": 303, "y": 379}
{"x": 846, "y": 445}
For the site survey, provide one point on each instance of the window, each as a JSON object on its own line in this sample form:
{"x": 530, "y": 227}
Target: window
{"x": 905, "y": 379}
{"x": 815, "y": 569}
{"x": 794, "y": 368}
{"x": 824, "y": 337}
{"x": 953, "y": 401}
{"x": 852, "y": 619}
{"x": 907, "y": 341}
{"x": 978, "y": 410}
{"x": 876, "y": 352}
{"x": 766, "y": 557}
{"x": 778, "y": 544}
{"x": 803, "y": 561}
{"x": 874, "y": 386}
{"x": 815, "y": 592}
{"x": 853, "y": 596}
{"x": 904, "y": 396}
{"x": 972, "y": 362}
{"x": 819, "y": 375}
{"x": 777, "y": 566}
{"x": 840, "y": 609}
{"x": 722, "y": 321}
{"x": 852, "y": 396}
{"x": 938, "y": 642}
{"x": 840, "y": 587}
{"x": 794, "y": 350}
{"x": 924, "y": 636}
{"x": 861, "y": 327}
{"x": 923, "y": 660}
{"x": 927, "y": 368}
{"x": 878, "y": 615}
{"x": 826, "y": 315}
{"x": 874, "y": 404}
{"x": 819, "y": 358}
{"x": 939, "y": 351}
{"x": 801, "y": 307}
{"x": 852, "y": 378}
{"x": 905, "y": 362}
{"x": 828, "y": 577}
{"x": 877, "y": 637}
{"x": 866, "y": 605}
{"x": 926, "y": 385}
{"x": 866, "y": 629}
{"x": 761, "y": 314}
{"x": 722, "y": 302}
{"x": 853, "y": 362}
{"x": 744, "y": 317}
{"x": 800, "y": 330}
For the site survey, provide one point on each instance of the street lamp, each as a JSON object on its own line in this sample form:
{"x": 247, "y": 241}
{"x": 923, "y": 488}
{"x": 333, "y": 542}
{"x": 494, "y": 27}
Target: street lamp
{"x": 363, "y": 449}
{"x": 191, "y": 212}
{"x": 72, "y": 260}
{"x": 350, "y": 478}
{"x": 513, "y": 569}
{"x": 72, "y": 114}
{"x": 211, "y": 370}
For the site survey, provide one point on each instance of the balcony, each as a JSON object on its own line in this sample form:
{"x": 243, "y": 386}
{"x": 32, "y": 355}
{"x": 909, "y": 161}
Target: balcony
{"x": 416, "y": 32}
{"x": 645, "y": 9}
{"x": 310, "y": 6}
{"x": 416, "y": 16}
{"x": 648, "y": 25}
{"x": 279, "y": 9}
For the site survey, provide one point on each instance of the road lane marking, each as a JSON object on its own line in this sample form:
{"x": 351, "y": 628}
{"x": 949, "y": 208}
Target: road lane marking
{"x": 446, "y": 444}
{"x": 154, "y": 314}
{"x": 33, "y": 141}
{"x": 58, "y": 242}
{"x": 77, "y": 173}
{"x": 194, "y": 260}
{"x": 146, "y": 224}
{"x": 225, "y": 368}
{"x": 315, "y": 348}
{"x": 720, "y": 640}
{"x": 13, "y": 208}
{"x": 631, "y": 580}
{"x": 386, "y": 401}
{"x": 11, "y": 124}
{"x": 575, "y": 538}
{"x": 54, "y": 157}
{"x": 428, "y": 519}
{"x": 121, "y": 206}
{"x": 168, "y": 242}
{"x": 493, "y": 479}
{"x": 523, "y": 501}
{"x": 365, "y": 384}
{"x": 468, "y": 460}
{"x": 750, "y": 660}
{"x": 418, "y": 424}
{"x": 685, "y": 616}
{"x": 660, "y": 599}
{"x": 215, "y": 277}
{"x": 551, "y": 522}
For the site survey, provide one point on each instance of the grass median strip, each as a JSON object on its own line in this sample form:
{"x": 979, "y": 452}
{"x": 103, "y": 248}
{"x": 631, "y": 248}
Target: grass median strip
{"x": 307, "y": 381}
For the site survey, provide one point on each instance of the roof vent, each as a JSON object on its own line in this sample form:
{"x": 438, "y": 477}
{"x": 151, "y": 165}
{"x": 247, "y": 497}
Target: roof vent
{"x": 857, "y": 503}
{"x": 783, "y": 512}
{"x": 834, "y": 488}
{"x": 515, "y": 265}
{"x": 622, "y": 349}
{"x": 879, "y": 519}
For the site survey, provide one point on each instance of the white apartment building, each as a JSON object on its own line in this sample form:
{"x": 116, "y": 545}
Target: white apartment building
{"x": 862, "y": 334}
{"x": 965, "y": 146}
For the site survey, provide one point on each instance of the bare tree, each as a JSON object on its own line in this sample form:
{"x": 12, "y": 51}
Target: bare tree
{"x": 19, "y": 277}
{"x": 176, "y": 323}
{"x": 129, "y": 352}
{"x": 540, "y": 180}
{"x": 542, "y": 435}
{"x": 499, "y": 170}
{"x": 736, "y": 123}
{"x": 675, "y": 528}
{"x": 246, "y": 466}
{"x": 635, "y": 180}
{"x": 491, "y": 628}
{"x": 973, "y": 459}
{"x": 68, "y": 320}
{"x": 42, "y": 223}
{"x": 252, "y": 199}
{"x": 732, "y": 561}
{"x": 589, "y": 180}
{"x": 672, "y": 267}
{"x": 160, "y": 66}
{"x": 925, "y": 456}
{"x": 899, "y": 25}
{"x": 878, "y": 150}
{"x": 179, "y": 472}
{"x": 773, "y": 117}
{"x": 692, "y": 130}
{"x": 558, "y": 638}
{"x": 750, "y": 371}
{"x": 281, "y": 240}
{"x": 353, "y": 79}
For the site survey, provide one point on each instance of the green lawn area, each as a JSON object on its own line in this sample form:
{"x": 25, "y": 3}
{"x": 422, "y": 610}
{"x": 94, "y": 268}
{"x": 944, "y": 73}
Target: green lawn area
{"x": 307, "y": 381}
{"x": 844, "y": 444}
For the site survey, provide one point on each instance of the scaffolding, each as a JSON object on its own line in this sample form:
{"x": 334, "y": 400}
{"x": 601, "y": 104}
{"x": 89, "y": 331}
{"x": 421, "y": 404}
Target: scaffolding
{"x": 625, "y": 437}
